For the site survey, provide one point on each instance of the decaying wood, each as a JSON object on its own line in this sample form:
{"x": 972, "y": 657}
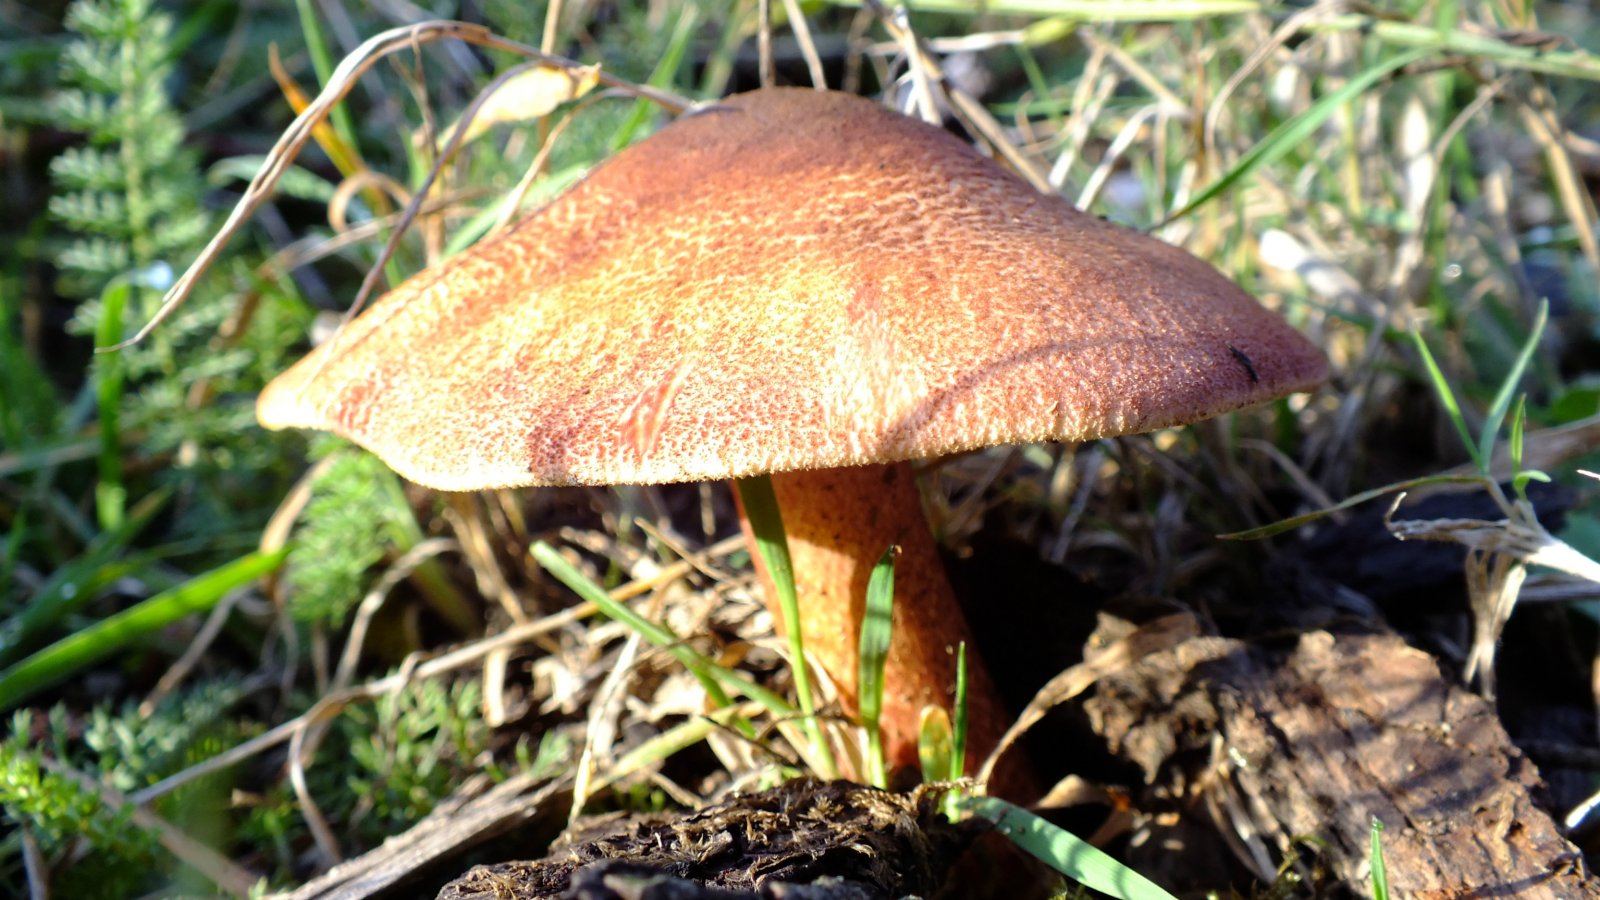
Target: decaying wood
{"x": 1320, "y": 738}
{"x": 472, "y": 815}
{"x": 819, "y": 840}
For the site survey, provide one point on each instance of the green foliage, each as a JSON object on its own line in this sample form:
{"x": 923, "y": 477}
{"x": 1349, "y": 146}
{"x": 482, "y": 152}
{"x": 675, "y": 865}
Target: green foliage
{"x": 130, "y": 196}
{"x": 384, "y": 767}
{"x": 54, "y": 808}
{"x": 409, "y": 750}
{"x": 357, "y": 516}
{"x": 130, "y": 750}
{"x": 124, "y": 750}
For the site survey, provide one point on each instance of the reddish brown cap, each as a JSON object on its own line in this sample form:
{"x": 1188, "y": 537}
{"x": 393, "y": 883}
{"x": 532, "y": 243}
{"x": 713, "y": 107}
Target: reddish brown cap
{"x": 786, "y": 280}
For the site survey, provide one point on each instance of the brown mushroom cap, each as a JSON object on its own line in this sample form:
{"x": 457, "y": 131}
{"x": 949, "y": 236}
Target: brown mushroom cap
{"x": 786, "y": 280}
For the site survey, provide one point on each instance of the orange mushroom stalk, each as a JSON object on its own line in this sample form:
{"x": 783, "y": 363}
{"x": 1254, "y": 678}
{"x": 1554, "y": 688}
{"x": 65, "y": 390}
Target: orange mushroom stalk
{"x": 799, "y": 282}
{"x": 839, "y": 522}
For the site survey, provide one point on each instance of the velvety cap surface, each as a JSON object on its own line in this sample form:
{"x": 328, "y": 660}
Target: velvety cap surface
{"x": 786, "y": 280}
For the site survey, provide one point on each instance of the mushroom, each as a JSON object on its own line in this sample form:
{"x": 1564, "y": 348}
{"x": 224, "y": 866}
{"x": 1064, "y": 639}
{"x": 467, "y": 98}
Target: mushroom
{"x": 805, "y": 284}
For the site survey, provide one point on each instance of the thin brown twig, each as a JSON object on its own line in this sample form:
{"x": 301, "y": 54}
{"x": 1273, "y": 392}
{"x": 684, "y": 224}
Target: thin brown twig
{"x": 374, "y": 600}
{"x": 518, "y": 194}
{"x": 295, "y": 137}
{"x": 193, "y": 653}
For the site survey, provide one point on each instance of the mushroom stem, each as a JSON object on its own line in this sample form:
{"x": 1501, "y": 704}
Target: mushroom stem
{"x": 839, "y": 522}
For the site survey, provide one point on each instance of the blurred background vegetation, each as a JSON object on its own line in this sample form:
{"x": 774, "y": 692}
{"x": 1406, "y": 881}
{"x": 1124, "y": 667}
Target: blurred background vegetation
{"x": 175, "y": 581}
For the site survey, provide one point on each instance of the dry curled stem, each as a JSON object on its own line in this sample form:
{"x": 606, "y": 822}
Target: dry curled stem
{"x": 1498, "y": 554}
{"x": 340, "y": 83}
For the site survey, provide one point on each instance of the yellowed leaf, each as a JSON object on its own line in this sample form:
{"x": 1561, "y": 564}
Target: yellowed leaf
{"x": 345, "y": 157}
{"x": 528, "y": 95}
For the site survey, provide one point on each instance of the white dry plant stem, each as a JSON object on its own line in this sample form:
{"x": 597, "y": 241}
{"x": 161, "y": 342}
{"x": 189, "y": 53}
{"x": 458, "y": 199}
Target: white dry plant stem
{"x": 1238, "y": 816}
{"x": 600, "y": 734}
{"x": 1498, "y": 554}
{"x": 34, "y": 865}
{"x": 1089, "y": 97}
{"x": 808, "y": 46}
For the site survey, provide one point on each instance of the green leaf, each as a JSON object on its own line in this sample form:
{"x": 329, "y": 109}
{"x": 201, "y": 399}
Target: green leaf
{"x": 1508, "y": 388}
{"x": 1063, "y": 851}
{"x": 1519, "y": 481}
{"x": 73, "y": 654}
{"x": 1380, "y": 875}
{"x": 661, "y": 76}
{"x": 1447, "y": 399}
{"x": 80, "y": 580}
{"x": 1517, "y": 422}
{"x": 935, "y": 743}
{"x": 958, "y": 747}
{"x": 322, "y": 64}
{"x": 110, "y": 494}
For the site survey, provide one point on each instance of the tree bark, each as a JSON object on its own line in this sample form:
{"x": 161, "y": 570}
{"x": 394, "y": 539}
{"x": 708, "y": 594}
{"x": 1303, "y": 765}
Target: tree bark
{"x": 1321, "y": 739}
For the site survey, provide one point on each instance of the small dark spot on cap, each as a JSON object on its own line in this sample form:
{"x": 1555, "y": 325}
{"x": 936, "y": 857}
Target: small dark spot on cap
{"x": 1249, "y": 367}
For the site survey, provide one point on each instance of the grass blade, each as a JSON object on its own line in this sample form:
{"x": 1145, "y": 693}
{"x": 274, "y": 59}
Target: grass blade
{"x": 661, "y": 77}
{"x": 80, "y": 580}
{"x": 1576, "y": 63}
{"x": 711, "y": 675}
{"x": 322, "y": 64}
{"x": 876, "y": 631}
{"x": 1300, "y": 130}
{"x": 935, "y": 740}
{"x": 1380, "y": 875}
{"x": 72, "y": 654}
{"x": 1447, "y": 399}
{"x": 110, "y": 494}
{"x": 958, "y": 740}
{"x": 766, "y": 524}
{"x": 1065, "y": 852}
{"x": 1508, "y": 386}
{"x": 1289, "y": 524}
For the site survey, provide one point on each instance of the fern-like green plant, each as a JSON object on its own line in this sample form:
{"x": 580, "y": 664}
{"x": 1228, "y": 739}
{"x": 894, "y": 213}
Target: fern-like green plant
{"x": 130, "y": 195}
{"x": 125, "y": 749}
{"x": 358, "y": 517}
{"x": 127, "y": 213}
